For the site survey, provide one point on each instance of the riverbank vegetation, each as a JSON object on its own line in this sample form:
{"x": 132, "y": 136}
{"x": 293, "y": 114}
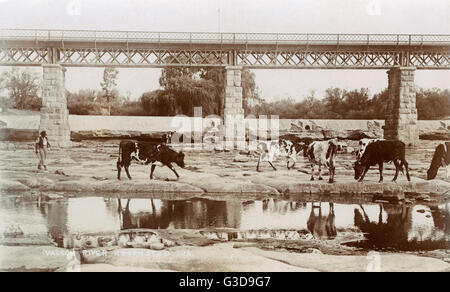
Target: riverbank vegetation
{"x": 182, "y": 89}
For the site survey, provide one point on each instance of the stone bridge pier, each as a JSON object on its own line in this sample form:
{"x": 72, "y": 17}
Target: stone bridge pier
{"x": 233, "y": 112}
{"x": 401, "y": 116}
{"x": 54, "y": 113}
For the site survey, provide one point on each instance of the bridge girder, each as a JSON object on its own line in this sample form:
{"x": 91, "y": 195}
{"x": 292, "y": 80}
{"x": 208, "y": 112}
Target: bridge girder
{"x": 254, "y": 58}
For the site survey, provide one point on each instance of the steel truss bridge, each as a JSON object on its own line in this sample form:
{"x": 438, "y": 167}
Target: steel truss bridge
{"x": 250, "y": 50}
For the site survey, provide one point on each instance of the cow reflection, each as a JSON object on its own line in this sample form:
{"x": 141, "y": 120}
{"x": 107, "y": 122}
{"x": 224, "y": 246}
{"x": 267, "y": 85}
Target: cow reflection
{"x": 404, "y": 227}
{"x": 322, "y": 227}
{"x": 176, "y": 215}
{"x": 441, "y": 217}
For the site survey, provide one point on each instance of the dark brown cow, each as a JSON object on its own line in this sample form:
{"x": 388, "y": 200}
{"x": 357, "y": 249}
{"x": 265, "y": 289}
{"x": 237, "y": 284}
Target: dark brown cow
{"x": 441, "y": 158}
{"x": 379, "y": 152}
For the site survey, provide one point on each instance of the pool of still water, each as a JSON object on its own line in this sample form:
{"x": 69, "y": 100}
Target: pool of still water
{"x": 413, "y": 227}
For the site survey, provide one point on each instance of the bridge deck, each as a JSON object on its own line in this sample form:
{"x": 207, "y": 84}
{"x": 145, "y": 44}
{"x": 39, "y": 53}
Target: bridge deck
{"x": 254, "y": 50}
{"x": 222, "y": 38}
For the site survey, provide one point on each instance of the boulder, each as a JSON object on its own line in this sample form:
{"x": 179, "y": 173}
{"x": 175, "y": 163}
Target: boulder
{"x": 240, "y": 158}
{"x": 375, "y": 129}
{"x": 13, "y": 231}
{"x": 168, "y": 243}
{"x": 442, "y": 135}
{"x": 313, "y": 251}
{"x": 50, "y": 197}
{"x": 156, "y": 246}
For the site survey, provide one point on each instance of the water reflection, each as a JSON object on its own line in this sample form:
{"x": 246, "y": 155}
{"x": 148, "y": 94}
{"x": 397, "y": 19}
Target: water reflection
{"x": 397, "y": 226}
{"x": 406, "y": 227}
{"x": 320, "y": 226}
{"x": 191, "y": 214}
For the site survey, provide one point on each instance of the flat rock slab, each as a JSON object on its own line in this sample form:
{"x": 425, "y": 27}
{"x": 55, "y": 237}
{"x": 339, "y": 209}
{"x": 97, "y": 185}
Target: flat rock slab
{"x": 216, "y": 258}
{"x": 28, "y": 240}
{"x": 211, "y": 183}
{"x": 36, "y": 258}
{"x": 333, "y": 263}
{"x": 91, "y": 168}
{"x": 122, "y": 187}
{"x": 7, "y": 185}
{"x": 111, "y": 268}
{"x": 345, "y": 185}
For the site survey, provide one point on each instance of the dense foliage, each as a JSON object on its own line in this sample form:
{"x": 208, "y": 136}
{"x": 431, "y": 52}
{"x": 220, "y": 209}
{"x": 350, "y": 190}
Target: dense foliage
{"x": 22, "y": 89}
{"x": 186, "y": 88}
{"x": 354, "y": 104}
{"x": 182, "y": 89}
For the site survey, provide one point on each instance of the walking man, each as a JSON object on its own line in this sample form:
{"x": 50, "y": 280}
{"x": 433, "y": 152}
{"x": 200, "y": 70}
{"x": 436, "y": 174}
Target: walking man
{"x": 41, "y": 149}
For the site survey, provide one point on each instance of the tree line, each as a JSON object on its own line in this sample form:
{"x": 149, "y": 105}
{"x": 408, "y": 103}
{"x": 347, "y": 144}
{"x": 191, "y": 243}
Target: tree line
{"x": 355, "y": 104}
{"x": 182, "y": 89}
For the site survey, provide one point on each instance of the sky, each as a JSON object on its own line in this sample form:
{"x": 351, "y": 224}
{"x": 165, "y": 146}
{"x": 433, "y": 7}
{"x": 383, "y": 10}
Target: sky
{"x": 297, "y": 16}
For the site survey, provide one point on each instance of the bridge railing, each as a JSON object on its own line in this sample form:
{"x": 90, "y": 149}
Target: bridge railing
{"x": 221, "y": 38}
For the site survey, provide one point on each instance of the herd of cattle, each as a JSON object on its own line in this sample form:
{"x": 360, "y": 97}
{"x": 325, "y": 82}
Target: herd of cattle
{"x": 371, "y": 152}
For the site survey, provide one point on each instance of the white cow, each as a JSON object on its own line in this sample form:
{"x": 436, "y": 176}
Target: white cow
{"x": 323, "y": 153}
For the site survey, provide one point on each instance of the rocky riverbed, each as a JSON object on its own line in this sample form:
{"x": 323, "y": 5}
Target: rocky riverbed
{"x": 88, "y": 169}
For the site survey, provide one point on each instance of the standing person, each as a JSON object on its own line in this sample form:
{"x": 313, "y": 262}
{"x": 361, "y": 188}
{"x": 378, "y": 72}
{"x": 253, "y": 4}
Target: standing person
{"x": 41, "y": 147}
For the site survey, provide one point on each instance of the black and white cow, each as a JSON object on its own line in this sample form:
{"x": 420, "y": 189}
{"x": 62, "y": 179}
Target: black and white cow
{"x": 271, "y": 150}
{"x": 379, "y": 152}
{"x": 441, "y": 158}
{"x": 146, "y": 153}
{"x": 323, "y": 153}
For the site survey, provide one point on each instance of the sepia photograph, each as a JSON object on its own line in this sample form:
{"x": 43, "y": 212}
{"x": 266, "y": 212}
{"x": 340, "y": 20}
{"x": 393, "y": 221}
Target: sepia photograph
{"x": 228, "y": 136}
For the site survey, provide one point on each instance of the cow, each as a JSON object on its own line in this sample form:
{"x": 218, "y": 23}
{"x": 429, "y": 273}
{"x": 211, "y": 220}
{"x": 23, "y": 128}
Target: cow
{"x": 362, "y": 146}
{"x": 290, "y": 150}
{"x": 166, "y": 156}
{"x": 146, "y": 153}
{"x": 271, "y": 150}
{"x": 127, "y": 152}
{"x": 379, "y": 152}
{"x": 323, "y": 153}
{"x": 300, "y": 144}
{"x": 441, "y": 158}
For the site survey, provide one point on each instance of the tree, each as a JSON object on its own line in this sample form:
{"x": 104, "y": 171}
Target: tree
{"x": 23, "y": 87}
{"x": 189, "y": 87}
{"x": 379, "y": 105}
{"x": 356, "y": 104}
{"x": 159, "y": 103}
{"x": 84, "y": 102}
{"x": 334, "y": 98}
{"x": 433, "y": 104}
{"x": 108, "y": 84}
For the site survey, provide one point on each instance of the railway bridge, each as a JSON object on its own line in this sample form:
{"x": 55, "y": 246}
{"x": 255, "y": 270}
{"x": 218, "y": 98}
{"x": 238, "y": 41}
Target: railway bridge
{"x": 400, "y": 54}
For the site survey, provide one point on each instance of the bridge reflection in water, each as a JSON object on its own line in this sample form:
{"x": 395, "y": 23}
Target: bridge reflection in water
{"x": 190, "y": 214}
{"x": 384, "y": 226}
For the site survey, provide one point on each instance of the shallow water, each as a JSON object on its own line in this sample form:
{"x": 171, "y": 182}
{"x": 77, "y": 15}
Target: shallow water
{"x": 384, "y": 226}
